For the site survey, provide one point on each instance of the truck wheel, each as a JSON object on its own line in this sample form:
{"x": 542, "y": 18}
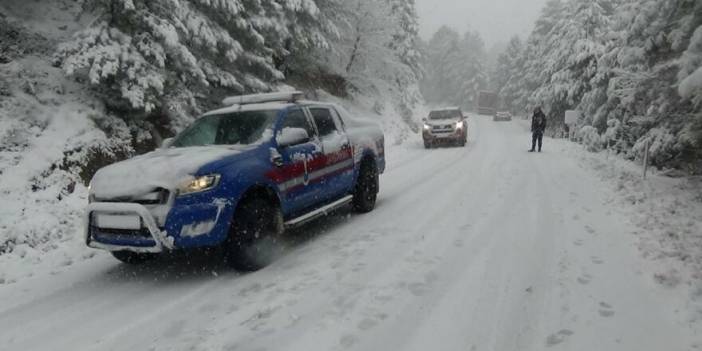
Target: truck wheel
{"x": 427, "y": 145}
{"x": 255, "y": 230}
{"x": 134, "y": 258}
{"x": 366, "y": 190}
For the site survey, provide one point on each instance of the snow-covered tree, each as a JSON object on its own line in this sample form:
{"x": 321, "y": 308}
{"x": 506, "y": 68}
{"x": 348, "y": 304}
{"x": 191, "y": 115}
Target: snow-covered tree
{"x": 373, "y": 51}
{"x": 571, "y": 58}
{"x": 405, "y": 46}
{"x": 455, "y": 68}
{"x": 631, "y": 66}
{"x": 160, "y": 56}
{"x": 174, "y": 58}
{"x": 472, "y": 73}
{"x": 509, "y": 64}
{"x": 532, "y": 72}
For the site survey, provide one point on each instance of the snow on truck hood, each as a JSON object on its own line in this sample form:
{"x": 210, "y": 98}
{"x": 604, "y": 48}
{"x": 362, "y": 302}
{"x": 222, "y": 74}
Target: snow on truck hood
{"x": 164, "y": 168}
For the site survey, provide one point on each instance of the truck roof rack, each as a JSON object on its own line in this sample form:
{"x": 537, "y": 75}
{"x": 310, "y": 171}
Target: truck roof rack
{"x": 291, "y": 96}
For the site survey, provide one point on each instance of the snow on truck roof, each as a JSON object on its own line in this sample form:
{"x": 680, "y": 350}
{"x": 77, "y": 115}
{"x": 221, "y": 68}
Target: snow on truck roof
{"x": 446, "y": 109}
{"x": 267, "y": 101}
{"x": 258, "y": 102}
{"x": 251, "y": 107}
{"x": 292, "y": 96}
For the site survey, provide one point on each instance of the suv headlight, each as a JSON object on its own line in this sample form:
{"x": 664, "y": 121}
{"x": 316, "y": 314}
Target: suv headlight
{"x": 459, "y": 125}
{"x": 199, "y": 184}
{"x": 426, "y": 127}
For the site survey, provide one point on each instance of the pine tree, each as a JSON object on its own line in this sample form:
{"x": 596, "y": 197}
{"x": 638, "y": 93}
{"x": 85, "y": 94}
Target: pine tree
{"x": 455, "y": 68}
{"x": 175, "y": 56}
{"x": 534, "y": 72}
{"x": 509, "y": 65}
{"x": 405, "y": 46}
{"x": 631, "y": 66}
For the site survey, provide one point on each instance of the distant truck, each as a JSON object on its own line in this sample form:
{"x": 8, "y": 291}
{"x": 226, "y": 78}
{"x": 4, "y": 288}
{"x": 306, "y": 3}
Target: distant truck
{"x": 502, "y": 116}
{"x": 487, "y": 103}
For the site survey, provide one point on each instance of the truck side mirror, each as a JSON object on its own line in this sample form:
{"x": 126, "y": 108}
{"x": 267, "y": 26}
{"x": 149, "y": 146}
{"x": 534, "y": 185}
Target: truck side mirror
{"x": 292, "y": 136}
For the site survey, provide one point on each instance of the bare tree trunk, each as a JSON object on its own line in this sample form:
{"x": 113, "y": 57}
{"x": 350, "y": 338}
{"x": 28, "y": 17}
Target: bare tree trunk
{"x": 357, "y": 42}
{"x": 354, "y": 53}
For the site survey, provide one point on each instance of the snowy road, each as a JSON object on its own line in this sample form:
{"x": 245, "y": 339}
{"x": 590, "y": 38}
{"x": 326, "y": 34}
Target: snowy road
{"x": 478, "y": 248}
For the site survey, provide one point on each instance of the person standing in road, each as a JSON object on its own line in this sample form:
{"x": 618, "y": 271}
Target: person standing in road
{"x": 538, "y": 127}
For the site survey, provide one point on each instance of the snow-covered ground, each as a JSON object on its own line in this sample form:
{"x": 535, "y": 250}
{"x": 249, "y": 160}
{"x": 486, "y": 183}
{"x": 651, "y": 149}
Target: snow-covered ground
{"x": 485, "y": 247}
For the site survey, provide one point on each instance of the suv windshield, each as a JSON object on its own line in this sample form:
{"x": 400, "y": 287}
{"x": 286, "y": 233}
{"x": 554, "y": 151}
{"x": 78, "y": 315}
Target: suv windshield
{"x": 237, "y": 128}
{"x": 445, "y": 114}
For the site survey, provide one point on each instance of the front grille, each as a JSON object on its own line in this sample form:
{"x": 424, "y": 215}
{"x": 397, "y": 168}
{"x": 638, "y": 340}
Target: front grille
{"x": 443, "y": 129}
{"x": 95, "y": 231}
{"x": 141, "y": 233}
{"x": 157, "y": 197}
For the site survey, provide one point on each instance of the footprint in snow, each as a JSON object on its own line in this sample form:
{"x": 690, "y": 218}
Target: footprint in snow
{"x": 596, "y": 260}
{"x": 557, "y": 338}
{"x": 358, "y": 267}
{"x": 579, "y": 242}
{"x": 208, "y": 308}
{"x": 348, "y": 340}
{"x": 366, "y": 324}
{"x": 252, "y": 289}
{"x": 174, "y": 329}
{"x": 606, "y": 310}
{"x": 585, "y": 279}
{"x": 458, "y": 243}
{"x": 383, "y": 298}
{"x": 465, "y": 227}
{"x": 589, "y": 229}
{"x": 431, "y": 277}
{"x": 417, "y": 289}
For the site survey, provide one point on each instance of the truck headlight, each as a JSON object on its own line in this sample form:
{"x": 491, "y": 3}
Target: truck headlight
{"x": 426, "y": 127}
{"x": 459, "y": 125}
{"x": 199, "y": 184}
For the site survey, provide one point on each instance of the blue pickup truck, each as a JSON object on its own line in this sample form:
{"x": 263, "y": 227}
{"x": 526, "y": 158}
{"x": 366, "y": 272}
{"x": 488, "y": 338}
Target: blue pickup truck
{"x": 236, "y": 177}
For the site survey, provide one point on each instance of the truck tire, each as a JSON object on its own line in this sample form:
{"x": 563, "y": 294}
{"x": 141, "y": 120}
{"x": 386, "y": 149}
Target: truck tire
{"x": 427, "y": 144}
{"x": 366, "y": 190}
{"x": 134, "y": 258}
{"x": 255, "y": 230}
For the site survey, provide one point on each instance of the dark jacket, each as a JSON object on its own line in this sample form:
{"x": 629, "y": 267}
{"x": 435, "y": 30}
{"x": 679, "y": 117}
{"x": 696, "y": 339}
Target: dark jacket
{"x": 538, "y": 122}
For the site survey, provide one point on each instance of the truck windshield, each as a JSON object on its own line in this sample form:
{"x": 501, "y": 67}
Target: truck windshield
{"x": 237, "y": 128}
{"x": 445, "y": 114}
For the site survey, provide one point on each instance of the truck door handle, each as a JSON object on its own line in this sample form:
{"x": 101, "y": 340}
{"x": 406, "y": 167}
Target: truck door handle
{"x": 276, "y": 158}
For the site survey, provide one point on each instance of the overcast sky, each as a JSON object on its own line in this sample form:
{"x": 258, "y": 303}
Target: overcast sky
{"x": 496, "y": 20}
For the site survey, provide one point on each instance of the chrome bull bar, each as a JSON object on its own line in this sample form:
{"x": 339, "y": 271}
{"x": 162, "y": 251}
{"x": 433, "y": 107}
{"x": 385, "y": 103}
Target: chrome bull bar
{"x": 161, "y": 240}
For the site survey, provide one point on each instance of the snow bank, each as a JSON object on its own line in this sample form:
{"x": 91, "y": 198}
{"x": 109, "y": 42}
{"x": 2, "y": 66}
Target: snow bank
{"x": 590, "y": 138}
{"x": 668, "y": 213}
{"x": 48, "y": 128}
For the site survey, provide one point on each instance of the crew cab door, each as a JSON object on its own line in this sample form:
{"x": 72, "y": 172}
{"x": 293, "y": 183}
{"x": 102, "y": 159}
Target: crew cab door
{"x": 294, "y": 164}
{"x": 335, "y": 174}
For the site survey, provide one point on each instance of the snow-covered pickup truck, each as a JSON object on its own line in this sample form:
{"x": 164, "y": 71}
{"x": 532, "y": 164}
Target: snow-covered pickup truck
{"x": 236, "y": 177}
